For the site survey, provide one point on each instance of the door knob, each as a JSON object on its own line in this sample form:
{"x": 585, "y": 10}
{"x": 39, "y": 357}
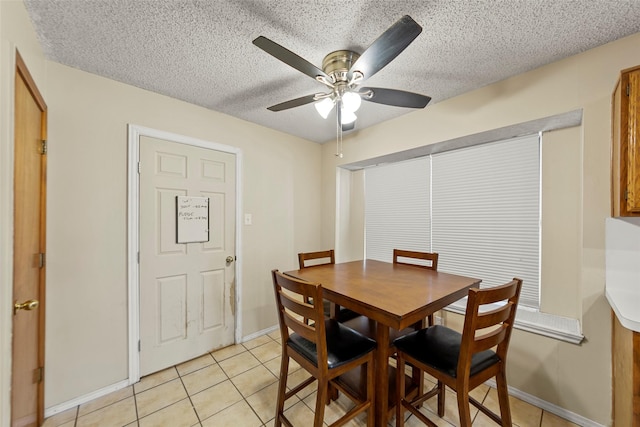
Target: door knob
{"x": 27, "y": 305}
{"x": 229, "y": 259}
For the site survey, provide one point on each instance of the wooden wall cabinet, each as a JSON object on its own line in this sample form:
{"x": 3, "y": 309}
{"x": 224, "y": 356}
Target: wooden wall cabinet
{"x": 626, "y": 376}
{"x": 625, "y": 155}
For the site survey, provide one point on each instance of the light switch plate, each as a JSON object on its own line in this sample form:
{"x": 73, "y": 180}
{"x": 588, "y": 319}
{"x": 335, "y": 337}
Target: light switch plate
{"x": 248, "y": 219}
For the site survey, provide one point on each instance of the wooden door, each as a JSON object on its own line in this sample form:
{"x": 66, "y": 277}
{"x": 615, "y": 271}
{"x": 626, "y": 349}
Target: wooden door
{"x": 27, "y": 374}
{"x": 186, "y": 289}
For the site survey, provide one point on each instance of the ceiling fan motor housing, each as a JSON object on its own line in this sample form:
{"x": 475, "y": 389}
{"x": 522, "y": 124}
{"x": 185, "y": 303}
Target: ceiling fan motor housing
{"x": 338, "y": 63}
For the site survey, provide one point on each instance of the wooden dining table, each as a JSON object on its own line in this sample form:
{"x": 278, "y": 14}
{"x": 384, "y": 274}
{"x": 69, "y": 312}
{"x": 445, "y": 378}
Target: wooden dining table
{"x": 394, "y": 296}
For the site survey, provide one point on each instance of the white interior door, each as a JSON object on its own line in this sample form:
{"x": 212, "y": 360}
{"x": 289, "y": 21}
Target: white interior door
{"x": 186, "y": 289}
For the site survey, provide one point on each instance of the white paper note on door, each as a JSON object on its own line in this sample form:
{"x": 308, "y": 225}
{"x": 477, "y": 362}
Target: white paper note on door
{"x": 192, "y": 219}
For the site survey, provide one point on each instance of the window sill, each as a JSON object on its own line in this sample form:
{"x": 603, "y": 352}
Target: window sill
{"x": 531, "y": 320}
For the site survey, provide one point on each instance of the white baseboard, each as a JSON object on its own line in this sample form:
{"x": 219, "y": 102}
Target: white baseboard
{"x": 84, "y": 399}
{"x": 549, "y": 407}
{"x": 259, "y": 333}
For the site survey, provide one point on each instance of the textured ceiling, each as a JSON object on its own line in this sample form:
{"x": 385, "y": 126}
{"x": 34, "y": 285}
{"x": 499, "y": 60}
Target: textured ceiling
{"x": 202, "y": 52}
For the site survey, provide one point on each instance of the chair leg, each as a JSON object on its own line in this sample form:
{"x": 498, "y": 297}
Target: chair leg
{"x": 400, "y": 384}
{"x": 417, "y": 377}
{"x": 430, "y": 320}
{"x": 321, "y": 400}
{"x": 282, "y": 389}
{"x": 463, "y": 407}
{"x": 441, "y": 398}
{"x": 370, "y": 394}
{"x": 503, "y": 398}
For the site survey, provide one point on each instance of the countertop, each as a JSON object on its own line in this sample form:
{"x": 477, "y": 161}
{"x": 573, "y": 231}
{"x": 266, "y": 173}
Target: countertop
{"x": 626, "y": 305}
{"x": 622, "y": 285}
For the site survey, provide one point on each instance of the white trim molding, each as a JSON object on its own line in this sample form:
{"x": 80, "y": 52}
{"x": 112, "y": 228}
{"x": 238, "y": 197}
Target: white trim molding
{"x": 260, "y": 333}
{"x": 549, "y": 407}
{"x": 48, "y": 412}
{"x": 530, "y": 320}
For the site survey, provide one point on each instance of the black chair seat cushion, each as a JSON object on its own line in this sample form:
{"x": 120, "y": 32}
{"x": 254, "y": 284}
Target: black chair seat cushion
{"x": 343, "y": 345}
{"x": 439, "y": 347}
{"x": 343, "y": 315}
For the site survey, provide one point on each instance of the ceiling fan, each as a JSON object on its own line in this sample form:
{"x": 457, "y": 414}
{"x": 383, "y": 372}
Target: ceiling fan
{"x": 343, "y": 71}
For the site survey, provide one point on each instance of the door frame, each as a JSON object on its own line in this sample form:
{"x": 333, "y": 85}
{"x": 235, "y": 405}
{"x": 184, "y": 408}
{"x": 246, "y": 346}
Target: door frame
{"x": 133, "y": 231}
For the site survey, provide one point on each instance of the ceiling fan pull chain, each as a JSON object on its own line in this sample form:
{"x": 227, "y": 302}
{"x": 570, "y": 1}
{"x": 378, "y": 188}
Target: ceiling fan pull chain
{"x": 338, "y": 129}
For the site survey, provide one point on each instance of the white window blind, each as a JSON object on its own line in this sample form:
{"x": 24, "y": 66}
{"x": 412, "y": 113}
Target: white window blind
{"x": 397, "y": 208}
{"x": 486, "y": 213}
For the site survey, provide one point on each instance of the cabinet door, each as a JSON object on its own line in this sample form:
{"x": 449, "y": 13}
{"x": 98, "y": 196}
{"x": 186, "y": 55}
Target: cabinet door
{"x": 633, "y": 140}
{"x": 626, "y": 375}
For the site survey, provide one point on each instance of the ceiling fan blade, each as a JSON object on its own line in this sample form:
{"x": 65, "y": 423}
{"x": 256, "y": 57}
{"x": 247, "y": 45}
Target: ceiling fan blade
{"x": 293, "y": 103}
{"x": 398, "y": 98}
{"x": 289, "y": 58}
{"x": 386, "y": 47}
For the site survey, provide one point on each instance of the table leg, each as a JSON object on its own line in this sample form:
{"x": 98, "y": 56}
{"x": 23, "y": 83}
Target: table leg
{"x": 382, "y": 375}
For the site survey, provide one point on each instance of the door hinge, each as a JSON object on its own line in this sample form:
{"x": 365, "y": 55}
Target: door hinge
{"x": 626, "y": 194}
{"x": 41, "y": 260}
{"x": 139, "y": 168}
{"x": 628, "y": 89}
{"x": 43, "y": 146}
{"x": 138, "y": 346}
{"x": 138, "y": 257}
{"x": 38, "y": 375}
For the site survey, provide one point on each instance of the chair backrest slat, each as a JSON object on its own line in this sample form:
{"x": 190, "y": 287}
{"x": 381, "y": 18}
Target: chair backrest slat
{"x": 498, "y": 293}
{"x": 490, "y": 339}
{"x": 328, "y": 256}
{"x": 299, "y": 327}
{"x": 432, "y": 258}
{"x": 299, "y": 307}
{"x": 493, "y": 317}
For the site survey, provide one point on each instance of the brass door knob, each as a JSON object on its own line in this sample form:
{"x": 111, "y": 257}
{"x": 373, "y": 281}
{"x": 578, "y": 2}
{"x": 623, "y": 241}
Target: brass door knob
{"x": 229, "y": 259}
{"x": 28, "y": 305}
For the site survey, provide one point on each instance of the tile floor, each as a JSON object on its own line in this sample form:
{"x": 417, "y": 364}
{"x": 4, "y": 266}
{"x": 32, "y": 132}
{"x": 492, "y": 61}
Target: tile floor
{"x": 237, "y": 386}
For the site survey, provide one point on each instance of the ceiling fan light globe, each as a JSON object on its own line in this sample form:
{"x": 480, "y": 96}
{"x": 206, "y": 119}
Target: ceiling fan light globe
{"x": 348, "y": 117}
{"x": 324, "y": 107}
{"x": 351, "y": 101}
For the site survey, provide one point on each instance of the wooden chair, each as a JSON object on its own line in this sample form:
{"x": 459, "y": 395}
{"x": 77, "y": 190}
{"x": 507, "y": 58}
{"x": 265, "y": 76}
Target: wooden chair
{"x": 327, "y": 256}
{"x": 463, "y": 361}
{"x": 310, "y": 259}
{"x": 431, "y": 262}
{"x": 325, "y": 348}
{"x": 430, "y": 257}
{"x": 428, "y": 260}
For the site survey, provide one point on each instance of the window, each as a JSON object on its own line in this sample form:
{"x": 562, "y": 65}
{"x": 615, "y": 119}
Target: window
{"x": 486, "y": 213}
{"x": 397, "y": 204}
{"x": 478, "y": 207}
{"x": 558, "y": 222}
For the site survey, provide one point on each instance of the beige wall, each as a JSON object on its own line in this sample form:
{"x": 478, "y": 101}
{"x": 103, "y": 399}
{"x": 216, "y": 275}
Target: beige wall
{"x": 576, "y": 202}
{"x": 86, "y": 341}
